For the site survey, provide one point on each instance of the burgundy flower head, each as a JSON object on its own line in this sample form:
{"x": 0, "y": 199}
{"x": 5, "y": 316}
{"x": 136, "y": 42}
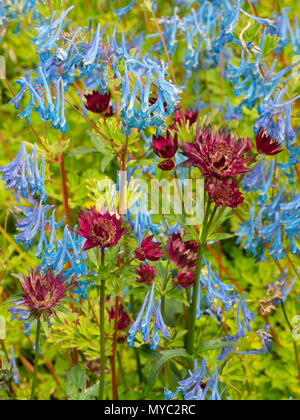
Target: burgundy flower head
{"x": 43, "y": 292}
{"x": 190, "y": 116}
{"x": 182, "y": 253}
{"x": 98, "y": 103}
{"x": 217, "y": 154}
{"x": 149, "y": 250}
{"x": 166, "y": 165}
{"x": 266, "y": 145}
{"x": 147, "y": 274}
{"x": 123, "y": 318}
{"x": 186, "y": 278}
{"x": 165, "y": 147}
{"x": 224, "y": 191}
{"x": 100, "y": 229}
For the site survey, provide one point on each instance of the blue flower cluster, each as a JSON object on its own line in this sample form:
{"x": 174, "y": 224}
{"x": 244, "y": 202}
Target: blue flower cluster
{"x": 200, "y": 385}
{"x": 69, "y": 56}
{"x": 144, "y": 323}
{"x": 14, "y": 9}
{"x": 24, "y": 176}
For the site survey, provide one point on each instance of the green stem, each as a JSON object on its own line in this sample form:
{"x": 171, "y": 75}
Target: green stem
{"x": 137, "y": 351}
{"x": 102, "y": 331}
{"x": 295, "y": 344}
{"x": 36, "y": 360}
{"x": 192, "y": 315}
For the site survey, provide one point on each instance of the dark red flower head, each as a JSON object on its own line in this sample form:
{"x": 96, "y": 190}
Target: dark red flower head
{"x": 147, "y": 274}
{"x": 190, "y": 116}
{"x": 186, "y": 278}
{"x": 100, "y": 229}
{"x": 217, "y": 154}
{"x": 149, "y": 250}
{"x": 165, "y": 147}
{"x": 43, "y": 292}
{"x": 182, "y": 253}
{"x": 224, "y": 191}
{"x": 266, "y": 145}
{"x": 123, "y": 318}
{"x": 98, "y": 103}
{"x": 166, "y": 165}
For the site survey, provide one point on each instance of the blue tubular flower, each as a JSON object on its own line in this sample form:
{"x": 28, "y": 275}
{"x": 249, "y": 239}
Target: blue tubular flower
{"x": 82, "y": 289}
{"x": 24, "y": 176}
{"x": 216, "y": 291}
{"x": 18, "y": 313}
{"x": 266, "y": 338}
{"x": 13, "y": 366}
{"x": 279, "y": 291}
{"x": 199, "y": 384}
{"x": 48, "y": 35}
{"x": 32, "y": 223}
{"x": 122, "y": 12}
{"x": 169, "y": 395}
{"x": 247, "y": 315}
{"x": 133, "y": 330}
{"x": 144, "y": 324}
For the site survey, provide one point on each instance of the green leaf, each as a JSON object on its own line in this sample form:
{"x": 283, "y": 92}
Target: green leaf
{"x": 76, "y": 382}
{"x": 82, "y": 151}
{"x": 13, "y": 298}
{"x": 214, "y": 345}
{"x": 143, "y": 162}
{"x": 220, "y": 236}
{"x": 165, "y": 356}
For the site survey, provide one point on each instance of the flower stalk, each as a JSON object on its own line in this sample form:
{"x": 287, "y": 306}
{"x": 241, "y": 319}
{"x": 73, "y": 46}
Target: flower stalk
{"x": 36, "y": 360}
{"x": 102, "y": 330}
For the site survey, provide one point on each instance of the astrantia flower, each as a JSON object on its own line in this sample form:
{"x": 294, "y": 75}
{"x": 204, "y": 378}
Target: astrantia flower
{"x": 147, "y": 274}
{"x": 123, "y": 318}
{"x": 43, "y": 292}
{"x": 100, "y": 230}
{"x": 266, "y": 145}
{"x": 190, "y": 116}
{"x": 181, "y": 253}
{"x": 224, "y": 191}
{"x": 149, "y": 250}
{"x": 217, "y": 154}
{"x": 98, "y": 103}
{"x": 166, "y": 165}
{"x": 165, "y": 147}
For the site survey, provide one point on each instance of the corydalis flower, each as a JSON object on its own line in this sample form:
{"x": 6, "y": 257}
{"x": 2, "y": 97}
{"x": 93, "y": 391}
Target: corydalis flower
{"x": 98, "y": 103}
{"x": 43, "y": 292}
{"x": 100, "y": 229}
{"x": 149, "y": 250}
{"x": 147, "y": 274}
{"x": 224, "y": 191}
{"x": 217, "y": 154}
{"x": 266, "y": 145}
